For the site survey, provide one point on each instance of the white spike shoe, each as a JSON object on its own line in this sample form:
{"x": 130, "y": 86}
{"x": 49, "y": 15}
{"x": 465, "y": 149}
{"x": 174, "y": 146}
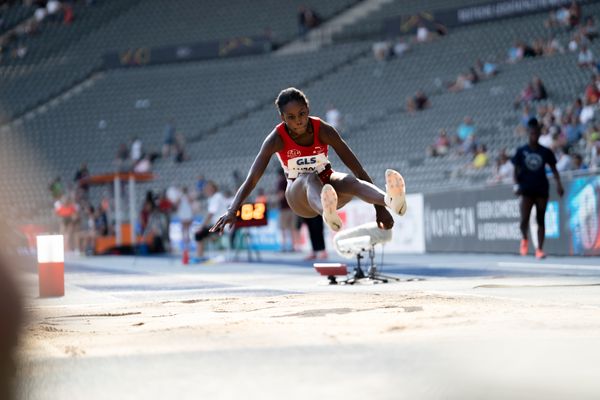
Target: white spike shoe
{"x": 395, "y": 197}
{"x": 329, "y": 202}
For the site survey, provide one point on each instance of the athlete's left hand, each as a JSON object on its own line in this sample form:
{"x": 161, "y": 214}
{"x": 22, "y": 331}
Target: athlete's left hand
{"x": 384, "y": 218}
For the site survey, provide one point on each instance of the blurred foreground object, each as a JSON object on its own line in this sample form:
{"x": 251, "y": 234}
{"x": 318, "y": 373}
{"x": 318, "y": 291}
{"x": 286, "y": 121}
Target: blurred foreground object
{"x": 11, "y": 315}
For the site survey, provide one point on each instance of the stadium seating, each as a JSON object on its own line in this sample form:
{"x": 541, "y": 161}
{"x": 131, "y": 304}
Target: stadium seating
{"x": 225, "y": 109}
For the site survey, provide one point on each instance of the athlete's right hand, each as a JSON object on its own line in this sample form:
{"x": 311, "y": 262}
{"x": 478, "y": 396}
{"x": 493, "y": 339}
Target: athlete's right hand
{"x": 228, "y": 218}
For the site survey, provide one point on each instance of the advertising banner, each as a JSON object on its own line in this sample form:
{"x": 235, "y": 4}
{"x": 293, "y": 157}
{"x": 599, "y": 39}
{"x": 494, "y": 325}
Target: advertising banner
{"x": 582, "y": 200}
{"x": 407, "y": 236}
{"x": 233, "y": 47}
{"x": 486, "y": 220}
{"x": 453, "y": 17}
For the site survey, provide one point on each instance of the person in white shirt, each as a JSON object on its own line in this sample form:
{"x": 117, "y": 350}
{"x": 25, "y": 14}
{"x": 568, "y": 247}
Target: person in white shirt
{"x": 185, "y": 215}
{"x": 217, "y": 206}
{"x": 136, "y": 149}
{"x": 333, "y": 117}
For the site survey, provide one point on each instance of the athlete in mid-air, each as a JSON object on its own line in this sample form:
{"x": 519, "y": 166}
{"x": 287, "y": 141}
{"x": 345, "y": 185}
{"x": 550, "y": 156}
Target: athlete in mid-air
{"x": 301, "y": 142}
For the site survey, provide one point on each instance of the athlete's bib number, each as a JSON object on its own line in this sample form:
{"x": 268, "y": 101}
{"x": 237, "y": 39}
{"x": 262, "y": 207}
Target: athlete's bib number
{"x": 305, "y": 165}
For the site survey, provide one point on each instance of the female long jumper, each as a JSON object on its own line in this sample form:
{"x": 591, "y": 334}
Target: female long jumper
{"x": 301, "y": 143}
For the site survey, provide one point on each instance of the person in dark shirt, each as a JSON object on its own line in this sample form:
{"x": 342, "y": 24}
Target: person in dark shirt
{"x": 532, "y": 184}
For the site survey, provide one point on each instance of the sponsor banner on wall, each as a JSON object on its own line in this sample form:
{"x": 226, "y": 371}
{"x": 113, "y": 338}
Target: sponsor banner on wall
{"x": 407, "y": 236}
{"x": 582, "y": 199}
{"x": 485, "y": 220}
{"x": 453, "y": 17}
{"x": 232, "y": 47}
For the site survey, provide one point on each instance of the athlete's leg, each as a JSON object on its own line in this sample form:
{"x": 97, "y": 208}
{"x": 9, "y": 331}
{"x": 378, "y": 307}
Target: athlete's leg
{"x": 526, "y": 206}
{"x": 348, "y": 186}
{"x": 540, "y": 212}
{"x": 308, "y": 197}
{"x": 304, "y": 195}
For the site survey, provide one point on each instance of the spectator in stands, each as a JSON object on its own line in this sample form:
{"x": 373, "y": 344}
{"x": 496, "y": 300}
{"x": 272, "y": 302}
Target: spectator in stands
{"x": 464, "y": 81}
{"x": 185, "y": 214}
{"x": 136, "y": 150}
{"x": 485, "y": 69}
{"x": 333, "y": 116}
{"x": 558, "y": 18}
{"x": 526, "y": 115}
{"x": 122, "y": 163}
{"x": 592, "y": 90}
{"x": 423, "y": 35}
{"x": 481, "y": 157}
{"x": 307, "y": 19}
{"x": 574, "y": 14}
{"x": 577, "y": 163}
{"x": 56, "y": 188}
{"x": 516, "y": 52}
{"x": 585, "y": 58}
{"x": 200, "y": 183}
{"x": 504, "y": 169}
{"x": 469, "y": 145}
{"x": 418, "y": 102}
{"x": 156, "y": 231}
{"x": 532, "y": 185}
{"x": 441, "y": 145}
{"x": 563, "y": 160}
{"x": 587, "y": 113}
{"x": 539, "y": 89}
{"x": 525, "y": 96}
{"x": 101, "y": 221}
{"x": 533, "y": 91}
{"x": 67, "y": 210}
{"x": 382, "y": 50}
{"x": 538, "y": 47}
{"x": 572, "y": 129}
{"x": 143, "y": 165}
{"x": 553, "y": 46}
{"x": 68, "y": 15}
{"x": 590, "y": 29}
{"x": 80, "y": 180}
{"x": 400, "y": 47}
{"x": 147, "y": 208}
{"x": 180, "y": 152}
{"x": 168, "y": 147}
{"x": 217, "y": 206}
{"x": 466, "y": 128}
{"x": 547, "y": 137}
{"x": 87, "y": 234}
{"x": 166, "y": 207}
{"x": 53, "y": 9}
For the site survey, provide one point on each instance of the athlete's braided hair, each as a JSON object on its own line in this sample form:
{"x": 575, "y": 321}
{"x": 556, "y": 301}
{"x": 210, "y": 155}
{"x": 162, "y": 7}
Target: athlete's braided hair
{"x": 288, "y": 95}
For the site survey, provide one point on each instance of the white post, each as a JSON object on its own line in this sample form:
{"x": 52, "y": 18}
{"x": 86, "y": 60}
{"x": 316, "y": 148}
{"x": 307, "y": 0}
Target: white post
{"x": 118, "y": 215}
{"x": 132, "y": 213}
{"x": 51, "y": 265}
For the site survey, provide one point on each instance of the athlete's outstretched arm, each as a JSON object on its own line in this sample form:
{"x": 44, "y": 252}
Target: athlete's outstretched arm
{"x": 270, "y": 145}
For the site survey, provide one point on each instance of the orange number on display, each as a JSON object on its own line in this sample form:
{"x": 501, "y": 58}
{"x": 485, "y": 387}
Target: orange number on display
{"x": 247, "y": 212}
{"x": 259, "y": 211}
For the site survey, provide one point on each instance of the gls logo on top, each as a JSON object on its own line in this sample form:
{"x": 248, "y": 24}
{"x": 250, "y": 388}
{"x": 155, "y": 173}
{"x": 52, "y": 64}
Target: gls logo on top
{"x": 306, "y": 161}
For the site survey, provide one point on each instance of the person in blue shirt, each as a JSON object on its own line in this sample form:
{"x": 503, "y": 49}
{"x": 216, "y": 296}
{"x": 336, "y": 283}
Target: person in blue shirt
{"x": 532, "y": 184}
